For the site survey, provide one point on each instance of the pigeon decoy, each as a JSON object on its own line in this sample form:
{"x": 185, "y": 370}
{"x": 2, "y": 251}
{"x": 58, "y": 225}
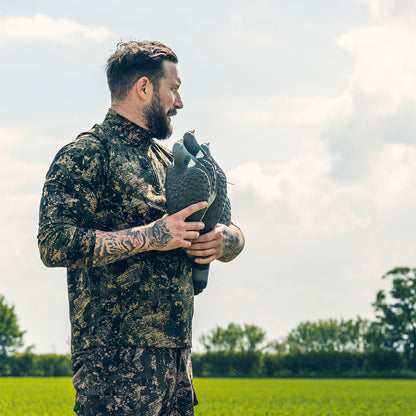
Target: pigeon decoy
{"x": 192, "y": 177}
{"x": 225, "y": 217}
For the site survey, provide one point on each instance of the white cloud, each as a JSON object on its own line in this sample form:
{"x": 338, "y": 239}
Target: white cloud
{"x": 311, "y": 111}
{"x": 15, "y": 173}
{"x": 385, "y": 66}
{"x": 18, "y": 229}
{"x": 45, "y": 28}
{"x": 384, "y": 9}
{"x": 10, "y": 137}
{"x": 298, "y": 194}
{"x": 381, "y": 84}
{"x": 246, "y": 35}
{"x": 19, "y": 211}
{"x": 20, "y": 206}
{"x": 300, "y": 199}
{"x": 392, "y": 180}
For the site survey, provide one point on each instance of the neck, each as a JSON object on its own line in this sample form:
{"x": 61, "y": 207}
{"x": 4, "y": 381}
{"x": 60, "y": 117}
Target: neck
{"x": 129, "y": 111}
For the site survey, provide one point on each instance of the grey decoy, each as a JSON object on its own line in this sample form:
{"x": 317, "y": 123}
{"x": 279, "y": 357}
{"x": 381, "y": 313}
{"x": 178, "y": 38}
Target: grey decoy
{"x": 192, "y": 177}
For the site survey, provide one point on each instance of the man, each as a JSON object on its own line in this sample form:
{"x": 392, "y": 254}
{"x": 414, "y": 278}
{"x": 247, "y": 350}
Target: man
{"x": 103, "y": 216}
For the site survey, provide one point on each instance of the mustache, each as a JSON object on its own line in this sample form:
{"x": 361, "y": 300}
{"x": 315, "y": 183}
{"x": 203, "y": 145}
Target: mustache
{"x": 172, "y": 113}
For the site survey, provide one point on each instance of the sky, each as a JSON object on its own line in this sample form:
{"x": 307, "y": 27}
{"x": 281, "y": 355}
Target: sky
{"x": 309, "y": 107}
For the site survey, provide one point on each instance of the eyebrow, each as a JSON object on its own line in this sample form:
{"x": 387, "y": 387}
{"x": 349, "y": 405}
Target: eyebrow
{"x": 176, "y": 83}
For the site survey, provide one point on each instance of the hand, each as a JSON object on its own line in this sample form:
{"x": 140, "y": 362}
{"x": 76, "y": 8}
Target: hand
{"x": 210, "y": 246}
{"x": 172, "y": 231}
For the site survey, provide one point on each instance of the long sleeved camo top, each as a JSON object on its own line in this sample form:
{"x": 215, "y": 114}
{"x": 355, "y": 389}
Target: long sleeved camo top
{"x": 112, "y": 178}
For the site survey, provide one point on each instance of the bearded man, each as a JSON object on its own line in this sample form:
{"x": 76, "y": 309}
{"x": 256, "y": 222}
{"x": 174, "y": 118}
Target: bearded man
{"x": 103, "y": 217}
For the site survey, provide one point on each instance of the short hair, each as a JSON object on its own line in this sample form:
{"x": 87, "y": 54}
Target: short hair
{"x": 133, "y": 60}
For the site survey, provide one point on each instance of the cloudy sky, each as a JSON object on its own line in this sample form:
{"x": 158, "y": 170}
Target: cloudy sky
{"x": 308, "y": 106}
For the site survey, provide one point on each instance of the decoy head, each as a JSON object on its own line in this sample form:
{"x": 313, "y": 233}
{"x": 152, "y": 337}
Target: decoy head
{"x": 192, "y": 145}
{"x": 181, "y": 156}
{"x": 205, "y": 148}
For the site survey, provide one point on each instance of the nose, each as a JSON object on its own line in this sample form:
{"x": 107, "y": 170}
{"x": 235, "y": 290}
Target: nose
{"x": 178, "y": 101}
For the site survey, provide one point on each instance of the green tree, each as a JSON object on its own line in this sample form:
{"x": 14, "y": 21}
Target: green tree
{"x": 223, "y": 339}
{"x": 234, "y": 338}
{"x": 279, "y": 346}
{"x": 329, "y": 336}
{"x": 254, "y": 336}
{"x": 11, "y": 337}
{"x": 395, "y": 324}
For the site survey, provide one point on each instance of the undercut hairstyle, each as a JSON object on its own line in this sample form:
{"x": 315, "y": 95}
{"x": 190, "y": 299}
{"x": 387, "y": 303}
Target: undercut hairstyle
{"x": 133, "y": 60}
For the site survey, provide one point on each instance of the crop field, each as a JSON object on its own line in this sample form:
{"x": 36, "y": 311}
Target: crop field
{"x": 245, "y": 397}
{"x": 36, "y": 396}
{"x": 248, "y": 397}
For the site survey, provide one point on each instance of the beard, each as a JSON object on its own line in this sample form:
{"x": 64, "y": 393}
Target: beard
{"x": 157, "y": 119}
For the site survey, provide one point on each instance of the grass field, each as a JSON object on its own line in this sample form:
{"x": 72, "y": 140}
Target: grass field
{"x": 236, "y": 397}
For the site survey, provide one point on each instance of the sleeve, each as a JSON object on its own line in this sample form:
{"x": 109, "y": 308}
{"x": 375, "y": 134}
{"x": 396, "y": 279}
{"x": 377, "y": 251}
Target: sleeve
{"x": 69, "y": 200}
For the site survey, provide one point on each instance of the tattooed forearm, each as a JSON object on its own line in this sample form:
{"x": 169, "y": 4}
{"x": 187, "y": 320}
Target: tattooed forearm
{"x": 117, "y": 245}
{"x": 158, "y": 235}
{"x": 233, "y": 243}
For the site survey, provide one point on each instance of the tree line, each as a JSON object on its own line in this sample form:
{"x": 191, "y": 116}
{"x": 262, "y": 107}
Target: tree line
{"x": 384, "y": 347}
{"x": 357, "y": 347}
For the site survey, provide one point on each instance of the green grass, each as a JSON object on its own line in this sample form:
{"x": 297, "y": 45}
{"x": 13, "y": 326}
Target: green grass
{"x": 290, "y": 397}
{"x": 245, "y": 397}
{"x": 36, "y": 397}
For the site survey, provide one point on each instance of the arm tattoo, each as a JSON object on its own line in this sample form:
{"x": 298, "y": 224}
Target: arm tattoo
{"x": 117, "y": 245}
{"x": 113, "y": 246}
{"x": 233, "y": 243}
{"x": 158, "y": 235}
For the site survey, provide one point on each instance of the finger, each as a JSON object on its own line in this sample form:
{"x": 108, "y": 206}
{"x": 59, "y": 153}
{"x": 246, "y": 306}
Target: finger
{"x": 202, "y": 253}
{"x": 202, "y": 242}
{"x": 196, "y": 245}
{"x": 184, "y": 244}
{"x": 191, "y": 235}
{"x": 186, "y": 212}
{"x": 211, "y": 236}
{"x": 194, "y": 225}
{"x": 205, "y": 260}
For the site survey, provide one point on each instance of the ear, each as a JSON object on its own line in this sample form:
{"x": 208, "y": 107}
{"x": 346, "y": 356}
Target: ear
{"x": 144, "y": 88}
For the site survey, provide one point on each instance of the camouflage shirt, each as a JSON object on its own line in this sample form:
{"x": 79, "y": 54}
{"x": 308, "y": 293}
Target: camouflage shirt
{"x": 112, "y": 178}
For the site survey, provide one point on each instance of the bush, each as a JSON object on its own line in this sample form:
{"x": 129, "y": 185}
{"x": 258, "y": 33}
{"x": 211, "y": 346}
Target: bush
{"x": 28, "y": 364}
{"x": 227, "y": 364}
{"x": 382, "y": 360}
{"x": 313, "y": 364}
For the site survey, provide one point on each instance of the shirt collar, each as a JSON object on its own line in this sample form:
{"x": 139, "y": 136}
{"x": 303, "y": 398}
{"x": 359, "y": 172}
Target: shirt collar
{"x": 116, "y": 124}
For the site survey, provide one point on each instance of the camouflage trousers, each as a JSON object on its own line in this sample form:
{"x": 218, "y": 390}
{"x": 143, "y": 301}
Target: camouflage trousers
{"x": 133, "y": 382}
